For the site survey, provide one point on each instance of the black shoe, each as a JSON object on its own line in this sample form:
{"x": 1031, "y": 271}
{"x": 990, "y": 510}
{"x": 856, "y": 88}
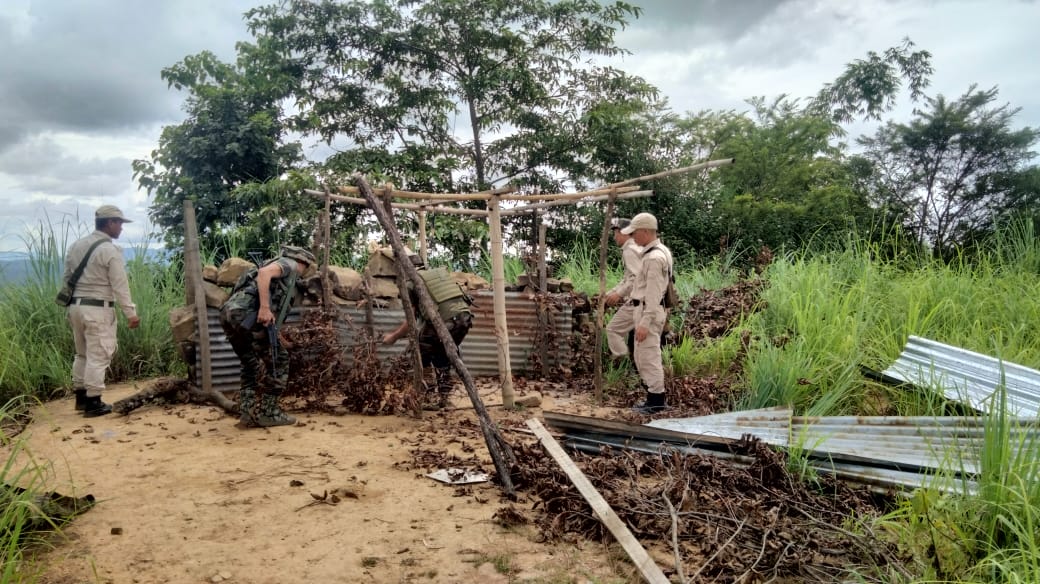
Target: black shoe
{"x": 654, "y": 403}
{"x": 81, "y": 399}
{"x": 94, "y": 407}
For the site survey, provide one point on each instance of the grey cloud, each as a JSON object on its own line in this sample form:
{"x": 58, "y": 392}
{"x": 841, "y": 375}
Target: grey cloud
{"x": 40, "y": 165}
{"x": 83, "y": 65}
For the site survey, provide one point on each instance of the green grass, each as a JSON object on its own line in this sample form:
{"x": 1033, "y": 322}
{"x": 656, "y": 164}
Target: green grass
{"x": 35, "y": 337}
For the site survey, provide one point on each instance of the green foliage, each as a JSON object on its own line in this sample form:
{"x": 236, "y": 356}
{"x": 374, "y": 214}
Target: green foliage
{"x": 955, "y": 171}
{"x": 233, "y": 136}
{"x": 35, "y": 337}
{"x": 17, "y": 509}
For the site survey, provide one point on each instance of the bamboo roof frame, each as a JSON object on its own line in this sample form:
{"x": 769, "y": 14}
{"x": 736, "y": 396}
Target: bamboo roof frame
{"x": 432, "y": 202}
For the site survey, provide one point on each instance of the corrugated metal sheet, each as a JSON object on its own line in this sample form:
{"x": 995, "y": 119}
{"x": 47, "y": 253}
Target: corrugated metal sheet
{"x": 479, "y": 349}
{"x": 915, "y": 444}
{"x": 884, "y": 453}
{"x": 967, "y": 377}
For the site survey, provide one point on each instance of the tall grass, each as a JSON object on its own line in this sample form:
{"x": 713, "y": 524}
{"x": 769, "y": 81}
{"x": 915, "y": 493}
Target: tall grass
{"x": 37, "y": 342}
{"x": 18, "y": 509}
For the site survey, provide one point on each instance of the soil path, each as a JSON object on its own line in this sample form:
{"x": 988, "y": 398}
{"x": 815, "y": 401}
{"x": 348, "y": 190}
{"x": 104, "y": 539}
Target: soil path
{"x": 186, "y": 496}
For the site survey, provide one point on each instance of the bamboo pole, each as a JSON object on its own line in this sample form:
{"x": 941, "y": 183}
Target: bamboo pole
{"x": 596, "y": 199}
{"x": 600, "y": 192}
{"x": 498, "y": 285}
{"x": 478, "y": 196}
{"x": 326, "y": 237}
{"x": 674, "y": 171}
{"x": 408, "y": 206}
{"x": 543, "y": 311}
{"x": 501, "y": 452}
{"x": 423, "y": 251}
{"x": 597, "y": 353}
{"x": 193, "y": 282}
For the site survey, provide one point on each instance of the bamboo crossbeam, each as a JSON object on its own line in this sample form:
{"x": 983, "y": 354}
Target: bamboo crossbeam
{"x": 604, "y": 191}
{"x": 674, "y": 171}
{"x": 407, "y": 206}
{"x": 601, "y": 198}
{"x": 479, "y": 196}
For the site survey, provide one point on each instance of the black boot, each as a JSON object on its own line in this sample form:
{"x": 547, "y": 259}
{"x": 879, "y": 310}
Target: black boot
{"x": 654, "y": 403}
{"x": 81, "y": 399}
{"x": 94, "y": 407}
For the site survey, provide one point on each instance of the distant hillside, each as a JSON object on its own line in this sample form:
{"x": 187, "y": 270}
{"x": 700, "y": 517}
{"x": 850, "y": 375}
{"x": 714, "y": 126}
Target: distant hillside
{"x": 15, "y": 266}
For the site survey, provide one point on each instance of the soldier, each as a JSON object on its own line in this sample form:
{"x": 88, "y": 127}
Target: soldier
{"x": 623, "y": 322}
{"x": 453, "y": 307}
{"x": 648, "y": 298}
{"x": 102, "y": 283}
{"x": 251, "y": 318}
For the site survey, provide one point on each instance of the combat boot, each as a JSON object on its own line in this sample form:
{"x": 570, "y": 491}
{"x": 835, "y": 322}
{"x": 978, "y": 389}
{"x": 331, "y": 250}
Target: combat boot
{"x": 654, "y": 403}
{"x": 81, "y": 398}
{"x": 94, "y": 407}
{"x": 246, "y": 407}
{"x": 271, "y": 414}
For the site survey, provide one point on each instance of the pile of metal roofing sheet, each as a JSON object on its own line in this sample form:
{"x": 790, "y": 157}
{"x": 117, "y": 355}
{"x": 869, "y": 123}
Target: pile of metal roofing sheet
{"x": 966, "y": 377}
{"x": 479, "y": 349}
{"x": 882, "y": 452}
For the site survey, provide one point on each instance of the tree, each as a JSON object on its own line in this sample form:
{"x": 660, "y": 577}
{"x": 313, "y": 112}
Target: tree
{"x": 954, "y": 170}
{"x": 233, "y": 136}
{"x": 396, "y": 75}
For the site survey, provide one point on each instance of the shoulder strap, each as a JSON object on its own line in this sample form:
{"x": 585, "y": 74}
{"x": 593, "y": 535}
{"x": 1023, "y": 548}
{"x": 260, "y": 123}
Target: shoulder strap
{"x": 287, "y": 296}
{"x": 83, "y": 265}
{"x": 666, "y": 255}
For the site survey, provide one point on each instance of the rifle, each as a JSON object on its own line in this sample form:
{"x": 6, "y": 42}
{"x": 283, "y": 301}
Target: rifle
{"x": 272, "y": 339}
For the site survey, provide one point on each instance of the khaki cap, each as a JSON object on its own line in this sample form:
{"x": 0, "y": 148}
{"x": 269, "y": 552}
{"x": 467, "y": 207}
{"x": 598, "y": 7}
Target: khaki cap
{"x": 641, "y": 221}
{"x": 110, "y": 212}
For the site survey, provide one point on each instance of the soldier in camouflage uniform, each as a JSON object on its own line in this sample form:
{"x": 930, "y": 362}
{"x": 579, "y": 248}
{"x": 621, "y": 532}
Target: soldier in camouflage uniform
{"x": 260, "y": 300}
{"x": 453, "y": 308}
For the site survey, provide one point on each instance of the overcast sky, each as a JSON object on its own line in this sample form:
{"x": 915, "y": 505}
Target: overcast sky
{"x": 81, "y": 96}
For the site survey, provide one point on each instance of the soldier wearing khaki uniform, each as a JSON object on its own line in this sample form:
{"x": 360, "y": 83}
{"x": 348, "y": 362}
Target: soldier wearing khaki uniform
{"x": 91, "y": 313}
{"x": 624, "y": 319}
{"x": 650, "y": 315}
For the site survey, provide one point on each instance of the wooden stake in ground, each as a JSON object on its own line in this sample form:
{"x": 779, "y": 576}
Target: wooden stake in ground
{"x": 498, "y": 285}
{"x": 650, "y": 571}
{"x": 501, "y": 452}
{"x": 597, "y": 350}
{"x": 195, "y": 294}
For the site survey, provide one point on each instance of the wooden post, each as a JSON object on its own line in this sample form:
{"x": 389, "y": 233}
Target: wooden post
{"x": 326, "y": 242}
{"x": 544, "y": 323}
{"x": 498, "y": 285}
{"x": 423, "y": 252}
{"x": 501, "y": 453}
{"x": 597, "y": 350}
{"x": 193, "y": 283}
{"x": 409, "y": 315}
{"x": 651, "y": 572}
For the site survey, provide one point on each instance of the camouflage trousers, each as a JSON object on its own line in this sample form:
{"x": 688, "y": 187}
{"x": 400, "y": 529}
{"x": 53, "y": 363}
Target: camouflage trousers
{"x": 260, "y": 373}
{"x": 434, "y": 352}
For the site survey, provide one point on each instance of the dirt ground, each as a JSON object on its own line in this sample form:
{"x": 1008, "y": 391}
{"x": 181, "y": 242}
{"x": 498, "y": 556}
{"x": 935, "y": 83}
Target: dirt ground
{"x": 184, "y": 495}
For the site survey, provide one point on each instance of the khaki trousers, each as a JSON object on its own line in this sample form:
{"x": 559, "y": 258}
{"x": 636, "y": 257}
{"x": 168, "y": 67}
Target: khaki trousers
{"x": 94, "y": 332}
{"x": 618, "y": 328}
{"x": 648, "y": 352}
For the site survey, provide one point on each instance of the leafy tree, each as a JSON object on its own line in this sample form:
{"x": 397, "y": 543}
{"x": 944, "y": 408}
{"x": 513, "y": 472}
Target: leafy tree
{"x": 233, "y": 136}
{"x": 954, "y": 170}
{"x": 868, "y": 87}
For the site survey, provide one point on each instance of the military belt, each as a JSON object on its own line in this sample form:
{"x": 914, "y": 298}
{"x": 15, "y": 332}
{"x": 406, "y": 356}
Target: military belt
{"x": 94, "y": 302}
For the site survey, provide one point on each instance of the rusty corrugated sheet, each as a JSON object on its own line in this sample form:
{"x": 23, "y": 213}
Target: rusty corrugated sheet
{"x": 479, "y": 349}
{"x": 966, "y": 376}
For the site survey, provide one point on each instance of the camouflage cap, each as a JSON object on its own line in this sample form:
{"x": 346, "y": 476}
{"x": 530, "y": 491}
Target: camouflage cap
{"x": 299, "y": 254}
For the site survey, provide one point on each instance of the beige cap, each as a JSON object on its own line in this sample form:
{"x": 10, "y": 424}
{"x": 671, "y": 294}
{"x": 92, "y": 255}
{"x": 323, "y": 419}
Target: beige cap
{"x": 110, "y": 212}
{"x": 641, "y": 221}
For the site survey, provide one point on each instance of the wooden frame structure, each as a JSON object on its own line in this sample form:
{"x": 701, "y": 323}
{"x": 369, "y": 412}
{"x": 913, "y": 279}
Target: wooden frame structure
{"x": 438, "y": 203}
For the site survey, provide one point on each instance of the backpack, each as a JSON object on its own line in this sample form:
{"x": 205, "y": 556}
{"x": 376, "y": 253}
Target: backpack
{"x": 671, "y": 295}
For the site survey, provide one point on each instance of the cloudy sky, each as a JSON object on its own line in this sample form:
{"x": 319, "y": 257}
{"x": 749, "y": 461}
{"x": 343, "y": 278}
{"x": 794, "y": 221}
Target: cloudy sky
{"x": 81, "y": 96}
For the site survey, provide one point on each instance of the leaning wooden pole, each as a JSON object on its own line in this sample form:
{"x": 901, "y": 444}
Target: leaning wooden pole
{"x": 501, "y": 452}
{"x": 498, "y": 285}
{"x": 597, "y": 351}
